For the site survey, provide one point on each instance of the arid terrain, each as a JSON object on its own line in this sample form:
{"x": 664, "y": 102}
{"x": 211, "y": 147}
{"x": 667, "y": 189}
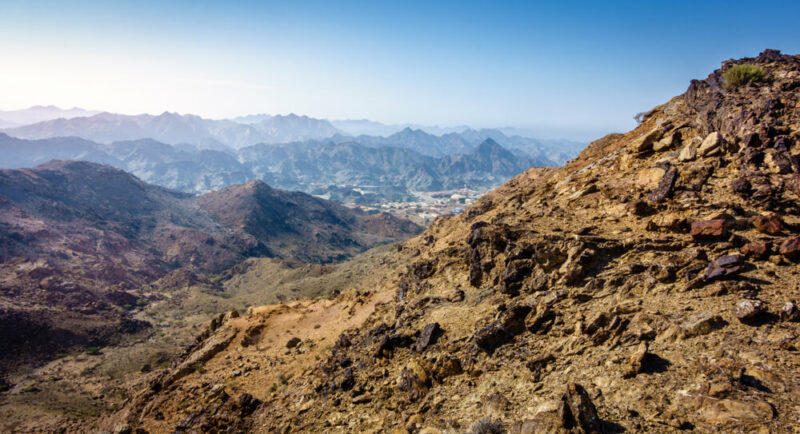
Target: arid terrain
{"x": 647, "y": 286}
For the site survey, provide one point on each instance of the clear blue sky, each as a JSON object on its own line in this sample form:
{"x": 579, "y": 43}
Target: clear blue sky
{"x": 574, "y": 69}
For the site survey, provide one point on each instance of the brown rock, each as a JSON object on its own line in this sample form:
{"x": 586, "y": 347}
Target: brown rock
{"x": 741, "y": 187}
{"x": 640, "y": 208}
{"x": 645, "y": 143}
{"x": 790, "y": 248}
{"x": 711, "y": 145}
{"x": 665, "y": 186}
{"x": 578, "y": 412}
{"x": 768, "y": 224}
{"x": 427, "y": 337}
{"x": 702, "y": 324}
{"x": 724, "y": 266}
{"x": 709, "y": 229}
{"x": 746, "y": 310}
{"x": 446, "y": 366}
{"x": 293, "y": 342}
{"x": 636, "y": 361}
{"x": 755, "y": 249}
{"x": 790, "y": 312}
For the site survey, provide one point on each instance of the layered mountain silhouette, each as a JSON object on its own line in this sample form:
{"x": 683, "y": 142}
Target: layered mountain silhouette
{"x": 308, "y": 166}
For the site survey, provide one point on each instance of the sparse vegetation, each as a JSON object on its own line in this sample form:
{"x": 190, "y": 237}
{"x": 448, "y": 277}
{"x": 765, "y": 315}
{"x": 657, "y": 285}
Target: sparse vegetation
{"x": 93, "y": 351}
{"x": 742, "y": 74}
{"x": 487, "y": 426}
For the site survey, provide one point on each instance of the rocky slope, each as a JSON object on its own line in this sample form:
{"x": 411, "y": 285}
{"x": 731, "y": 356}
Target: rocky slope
{"x": 647, "y": 286}
{"x": 83, "y": 245}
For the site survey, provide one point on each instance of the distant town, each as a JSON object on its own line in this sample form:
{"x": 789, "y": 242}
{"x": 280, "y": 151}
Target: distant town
{"x": 427, "y": 205}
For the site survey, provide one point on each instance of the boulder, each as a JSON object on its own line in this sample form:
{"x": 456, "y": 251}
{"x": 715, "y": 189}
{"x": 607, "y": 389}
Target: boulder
{"x": 665, "y": 186}
{"x": 645, "y": 143}
{"x": 790, "y": 312}
{"x": 577, "y": 412}
{"x": 711, "y": 145}
{"x": 293, "y": 342}
{"x": 747, "y": 310}
{"x": 636, "y": 361}
{"x": 790, "y": 248}
{"x": 755, "y": 249}
{"x": 709, "y": 229}
{"x": 427, "y": 337}
{"x": 688, "y": 153}
{"x": 702, "y": 324}
{"x": 724, "y": 266}
{"x": 768, "y": 224}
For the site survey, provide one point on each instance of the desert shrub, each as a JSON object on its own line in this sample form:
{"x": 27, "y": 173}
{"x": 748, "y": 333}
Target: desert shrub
{"x": 93, "y": 351}
{"x": 487, "y": 426}
{"x": 742, "y": 74}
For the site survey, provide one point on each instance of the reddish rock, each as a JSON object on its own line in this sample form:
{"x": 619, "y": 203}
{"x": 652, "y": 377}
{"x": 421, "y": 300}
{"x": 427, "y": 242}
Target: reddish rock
{"x": 724, "y": 266}
{"x": 790, "y": 248}
{"x": 768, "y": 224}
{"x": 709, "y": 229}
{"x": 755, "y": 249}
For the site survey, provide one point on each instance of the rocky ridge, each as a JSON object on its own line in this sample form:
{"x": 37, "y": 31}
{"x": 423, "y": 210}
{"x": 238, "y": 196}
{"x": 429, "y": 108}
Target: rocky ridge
{"x": 650, "y": 285}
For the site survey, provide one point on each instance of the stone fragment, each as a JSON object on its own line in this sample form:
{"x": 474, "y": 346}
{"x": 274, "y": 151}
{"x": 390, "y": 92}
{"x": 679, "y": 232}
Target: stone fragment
{"x": 741, "y": 187}
{"x": 667, "y": 142}
{"x": 709, "y": 229}
{"x": 636, "y": 361}
{"x": 724, "y": 266}
{"x": 746, "y": 310}
{"x": 688, "y": 153}
{"x": 790, "y": 248}
{"x": 293, "y": 342}
{"x": 446, "y": 366}
{"x": 711, "y": 145}
{"x": 665, "y": 186}
{"x": 247, "y": 404}
{"x": 702, "y": 324}
{"x": 427, "y": 337}
{"x": 414, "y": 380}
{"x": 755, "y": 249}
{"x": 577, "y": 412}
{"x": 790, "y": 312}
{"x": 778, "y": 162}
{"x": 768, "y": 224}
{"x": 667, "y": 222}
{"x": 640, "y": 208}
{"x": 645, "y": 143}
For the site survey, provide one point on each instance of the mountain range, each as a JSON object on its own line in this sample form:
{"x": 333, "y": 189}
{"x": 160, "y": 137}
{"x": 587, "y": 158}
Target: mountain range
{"x": 311, "y": 166}
{"x": 177, "y": 129}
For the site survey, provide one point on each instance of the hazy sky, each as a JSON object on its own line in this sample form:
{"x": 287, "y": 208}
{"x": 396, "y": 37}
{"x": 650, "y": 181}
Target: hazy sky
{"x": 574, "y": 69}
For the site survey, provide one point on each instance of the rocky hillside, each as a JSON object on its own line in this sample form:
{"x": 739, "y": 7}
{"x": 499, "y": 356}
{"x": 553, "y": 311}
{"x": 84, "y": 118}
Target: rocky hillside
{"x": 650, "y": 285}
{"x": 81, "y": 244}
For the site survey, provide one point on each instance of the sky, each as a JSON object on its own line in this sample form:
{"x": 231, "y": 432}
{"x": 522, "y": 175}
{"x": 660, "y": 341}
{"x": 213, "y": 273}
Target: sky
{"x": 562, "y": 69}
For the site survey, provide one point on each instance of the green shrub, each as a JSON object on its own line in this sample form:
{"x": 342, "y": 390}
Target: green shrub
{"x": 93, "y": 351}
{"x": 742, "y": 74}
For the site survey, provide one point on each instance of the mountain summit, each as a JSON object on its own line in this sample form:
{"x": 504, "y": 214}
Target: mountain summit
{"x": 650, "y": 285}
